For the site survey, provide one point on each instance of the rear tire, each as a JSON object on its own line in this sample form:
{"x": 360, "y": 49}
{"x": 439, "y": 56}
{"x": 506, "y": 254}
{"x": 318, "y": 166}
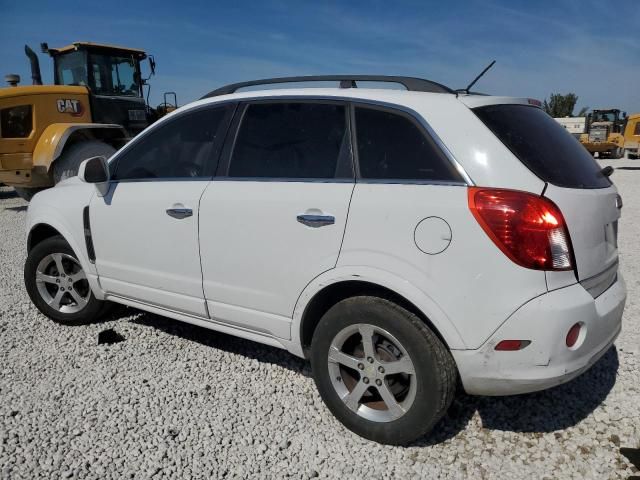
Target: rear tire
{"x": 57, "y": 284}
{"x": 27, "y": 193}
{"x": 398, "y": 395}
{"x": 69, "y": 162}
{"x": 618, "y": 153}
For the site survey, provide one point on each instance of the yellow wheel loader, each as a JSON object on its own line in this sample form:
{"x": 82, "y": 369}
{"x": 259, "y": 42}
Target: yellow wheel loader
{"x": 95, "y": 106}
{"x": 604, "y": 133}
{"x": 632, "y": 136}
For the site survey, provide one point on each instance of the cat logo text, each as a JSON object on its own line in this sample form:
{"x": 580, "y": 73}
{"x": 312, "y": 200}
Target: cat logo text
{"x": 74, "y": 107}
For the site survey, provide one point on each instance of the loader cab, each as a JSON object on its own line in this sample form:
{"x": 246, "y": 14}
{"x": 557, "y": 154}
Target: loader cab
{"x": 113, "y": 77}
{"x": 606, "y": 115}
{"x": 612, "y": 118}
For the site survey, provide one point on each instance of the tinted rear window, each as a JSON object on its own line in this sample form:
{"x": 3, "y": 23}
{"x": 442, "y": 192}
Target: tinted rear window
{"x": 392, "y": 147}
{"x": 543, "y": 145}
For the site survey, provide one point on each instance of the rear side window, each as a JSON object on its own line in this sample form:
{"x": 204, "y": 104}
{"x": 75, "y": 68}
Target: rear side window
{"x": 543, "y": 146}
{"x": 292, "y": 140}
{"x": 636, "y": 130}
{"x": 392, "y": 146}
{"x": 182, "y": 147}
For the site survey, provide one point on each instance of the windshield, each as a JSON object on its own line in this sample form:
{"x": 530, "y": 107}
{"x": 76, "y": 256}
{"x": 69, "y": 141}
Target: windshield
{"x": 114, "y": 75}
{"x": 543, "y": 146}
{"x": 71, "y": 69}
{"x": 604, "y": 117}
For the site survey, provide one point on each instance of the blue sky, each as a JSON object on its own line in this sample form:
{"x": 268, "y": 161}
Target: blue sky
{"x": 589, "y": 47}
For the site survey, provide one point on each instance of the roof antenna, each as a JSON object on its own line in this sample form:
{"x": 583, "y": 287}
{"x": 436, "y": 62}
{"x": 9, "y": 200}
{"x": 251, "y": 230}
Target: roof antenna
{"x": 466, "y": 90}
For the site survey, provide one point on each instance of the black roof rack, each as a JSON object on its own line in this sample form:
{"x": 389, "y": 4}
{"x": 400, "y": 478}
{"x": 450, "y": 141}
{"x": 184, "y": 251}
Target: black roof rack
{"x": 346, "y": 81}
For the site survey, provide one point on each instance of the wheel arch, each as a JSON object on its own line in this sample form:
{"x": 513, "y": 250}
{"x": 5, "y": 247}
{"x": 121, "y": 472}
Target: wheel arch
{"x": 321, "y": 294}
{"x": 45, "y": 222}
{"x": 59, "y": 136}
{"x": 39, "y": 233}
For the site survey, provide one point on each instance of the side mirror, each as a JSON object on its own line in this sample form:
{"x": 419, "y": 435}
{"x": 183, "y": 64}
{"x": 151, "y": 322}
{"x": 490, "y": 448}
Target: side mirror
{"x": 152, "y": 64}
{"x": 94, "y": 170}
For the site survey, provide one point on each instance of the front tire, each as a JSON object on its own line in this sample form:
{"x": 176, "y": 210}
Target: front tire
{"x": 381, "y": 371}
{"x": 69, "y": 162}
{"x": 57, "y": 284}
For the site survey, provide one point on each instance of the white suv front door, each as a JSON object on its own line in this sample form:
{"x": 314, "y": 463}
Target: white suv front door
{"x": 145, "y": 229}
{"x": 275, "y": 219}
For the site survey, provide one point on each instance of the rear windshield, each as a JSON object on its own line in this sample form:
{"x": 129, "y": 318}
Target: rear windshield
{"x": 543, "y": 145}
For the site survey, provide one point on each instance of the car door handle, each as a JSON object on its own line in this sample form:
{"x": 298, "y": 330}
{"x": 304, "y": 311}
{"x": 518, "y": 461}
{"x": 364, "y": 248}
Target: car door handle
{"x": 316, "y": 221}
{"x": 179, "y": 212}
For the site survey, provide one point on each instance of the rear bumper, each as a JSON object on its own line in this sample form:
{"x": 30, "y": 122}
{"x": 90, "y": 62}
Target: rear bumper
{"x": 599, "y": 147}
{"x": 15, "y": 177}
{"x": 547, "y": 361}
{"x": 16, "y": 161}
{"x": 17, "y": 169}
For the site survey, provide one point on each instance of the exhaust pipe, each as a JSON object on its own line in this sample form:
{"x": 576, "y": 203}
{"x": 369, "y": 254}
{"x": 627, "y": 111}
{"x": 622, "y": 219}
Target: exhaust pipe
{"x": 35, "y": 65}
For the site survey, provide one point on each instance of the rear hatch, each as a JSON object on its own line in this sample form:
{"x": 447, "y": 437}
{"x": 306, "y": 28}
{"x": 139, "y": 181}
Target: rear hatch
{"x": 574, "y": 182}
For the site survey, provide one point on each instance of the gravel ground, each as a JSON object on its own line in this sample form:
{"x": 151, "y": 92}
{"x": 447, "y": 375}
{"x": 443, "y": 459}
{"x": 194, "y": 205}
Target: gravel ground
{"x": 173, "y": 400}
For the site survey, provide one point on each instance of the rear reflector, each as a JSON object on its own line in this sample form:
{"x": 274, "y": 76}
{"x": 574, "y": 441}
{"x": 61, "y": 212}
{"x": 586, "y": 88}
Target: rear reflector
{"x": 529, "y": 229}
{"x": 574, "y": 333}
{"x": 511, "y": 345}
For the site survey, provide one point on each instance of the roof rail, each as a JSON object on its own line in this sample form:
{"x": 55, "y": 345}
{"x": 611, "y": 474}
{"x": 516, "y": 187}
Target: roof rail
{"x": 346, "y": 81}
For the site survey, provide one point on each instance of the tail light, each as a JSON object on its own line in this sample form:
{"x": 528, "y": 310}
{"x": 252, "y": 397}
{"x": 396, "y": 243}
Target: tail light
{"x": 573, "y": 334}
{"x": 529, "y": 229}
{"x": 512, "y": 345}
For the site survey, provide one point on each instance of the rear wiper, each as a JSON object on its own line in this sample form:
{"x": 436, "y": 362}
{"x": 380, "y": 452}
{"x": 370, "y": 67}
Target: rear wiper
{"x": 607, "y": 171}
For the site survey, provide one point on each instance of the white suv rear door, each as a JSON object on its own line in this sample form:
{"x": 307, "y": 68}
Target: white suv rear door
{"x": 274, "y": 218}
{"x": 145, "y": 229}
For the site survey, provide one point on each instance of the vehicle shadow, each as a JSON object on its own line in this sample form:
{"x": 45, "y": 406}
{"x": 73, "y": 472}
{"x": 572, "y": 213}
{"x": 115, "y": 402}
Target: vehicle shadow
{"x": 222, "y": 341}
{"x": 541, "y": 412}
{"x": 22, "y": 208}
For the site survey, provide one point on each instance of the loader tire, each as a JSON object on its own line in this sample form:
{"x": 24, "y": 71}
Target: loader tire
{"x": 66, "y": 166}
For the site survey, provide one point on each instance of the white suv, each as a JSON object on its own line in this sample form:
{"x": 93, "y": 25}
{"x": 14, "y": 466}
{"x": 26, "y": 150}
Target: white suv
{"x": 404, "y": 241}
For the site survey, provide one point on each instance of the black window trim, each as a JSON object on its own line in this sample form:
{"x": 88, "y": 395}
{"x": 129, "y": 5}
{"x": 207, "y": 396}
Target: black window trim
{"x": 425, "y": 129}
{"x": 216, "y": 150}
{"x": 224, "y": 153}
{"x": 224, "y": 164}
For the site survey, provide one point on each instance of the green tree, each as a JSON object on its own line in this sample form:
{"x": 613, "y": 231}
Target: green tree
{"x": 560, "y": 105}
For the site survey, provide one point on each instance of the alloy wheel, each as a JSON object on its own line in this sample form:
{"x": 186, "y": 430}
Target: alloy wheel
{"x": 62, "y": 283}
{"x": 371, "y": 372}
